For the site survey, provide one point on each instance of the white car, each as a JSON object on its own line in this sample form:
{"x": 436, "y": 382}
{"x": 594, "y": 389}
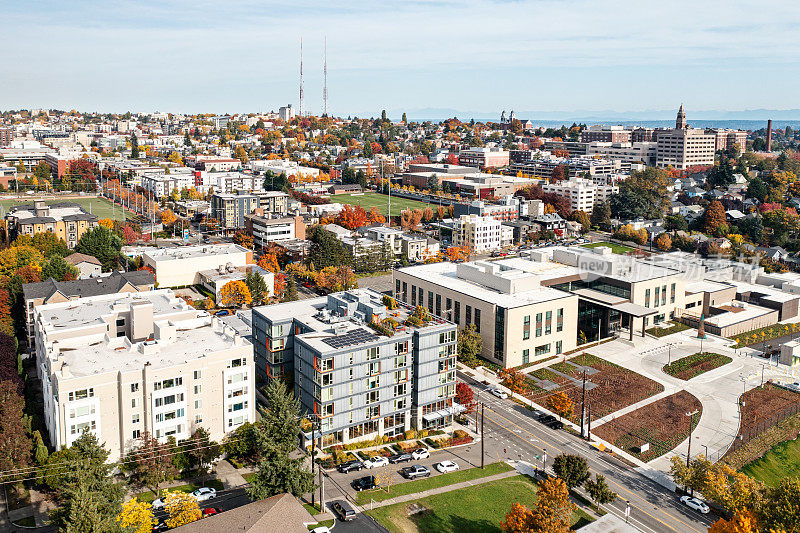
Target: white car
{"x": 204, "y": 494}
{"x": 158, "y": 504}
{"x": 420, "y": 453}
{"x": 499, "y": 393}
{"x": 694, "y": 503}
{"x": 446, "y": 466}
{"x": 376, "y": 461}
{"x": 321, "y": 529}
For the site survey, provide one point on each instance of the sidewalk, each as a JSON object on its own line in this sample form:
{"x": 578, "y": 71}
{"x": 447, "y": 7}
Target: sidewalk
{"x": 230, "y": 476}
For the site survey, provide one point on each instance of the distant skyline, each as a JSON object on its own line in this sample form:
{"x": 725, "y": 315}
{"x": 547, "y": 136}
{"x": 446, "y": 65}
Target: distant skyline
{"x": 577, "y": 58}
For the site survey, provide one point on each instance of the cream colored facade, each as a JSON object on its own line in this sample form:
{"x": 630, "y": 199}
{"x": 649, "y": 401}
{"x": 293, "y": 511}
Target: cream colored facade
{"x": 664, "y": 294}
{"x": 478, "y": 233}
{"x": 177, "y": 267}
{"x": 156, "y": 364}
{"x": 66, "y": 220}
{"x": 496, "y": 303}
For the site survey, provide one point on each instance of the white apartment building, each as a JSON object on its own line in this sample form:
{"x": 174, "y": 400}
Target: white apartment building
{"x": 582, "y": 193}
{"x": 683, "y": 148}
{"x": 156, "y": 364}
{"x": 162, "y": 184}
{"x": 286, "y": 112}
{"x": 480, "y": 234}
{"x": 644, "y": 152}
{"x": 181, "y": 266}
{"x": 229, "y": 182}
{"x": 278, "y": 166}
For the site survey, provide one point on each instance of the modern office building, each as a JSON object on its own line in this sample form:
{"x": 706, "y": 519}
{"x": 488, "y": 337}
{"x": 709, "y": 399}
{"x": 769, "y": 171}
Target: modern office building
{"x": 181, "y": 266}
{"x": 478, "y": 233}
{"x": 638, "y": 152}
{"x": 361, "y": 363}
{"x": 230, "y": 210}
{"x": 606, "y": 134}
{"x": 582, "y": 193}
{"x": 66, "y": 220}
{"x": 122, "y": 365}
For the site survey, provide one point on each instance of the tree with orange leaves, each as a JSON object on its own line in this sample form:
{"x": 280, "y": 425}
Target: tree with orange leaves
{"x": 742, "y": 521}
{"x": 375, "y": 216}
{"x": 106, "y": 222}
{"x": 352, "y": 218}
{"x": 235, "y": 294}
{"x": 243, "y": 238}
{"x": 268, "y": 261}
{"x": 560, "y": 403}
{"x": 553, "y": 511}
{"x": 168, "y": 218}
{"x": 514, "y": 380}
{"x": 518, "y": 520}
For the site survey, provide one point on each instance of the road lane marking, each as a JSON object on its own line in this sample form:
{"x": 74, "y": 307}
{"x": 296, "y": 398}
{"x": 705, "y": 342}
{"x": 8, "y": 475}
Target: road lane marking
{"x": 623, "y": 488}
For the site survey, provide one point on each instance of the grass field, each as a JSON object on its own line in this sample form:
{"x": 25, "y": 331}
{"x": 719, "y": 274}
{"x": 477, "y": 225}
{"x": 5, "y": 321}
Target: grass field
{"x": 616, "y": 248}
{"x": 478, "y": 509}
{"x": 783, "y": 460}
{"x": 368, "y": 200}
{"x": 97, "y": 206}
{"x": 435, "y": 481}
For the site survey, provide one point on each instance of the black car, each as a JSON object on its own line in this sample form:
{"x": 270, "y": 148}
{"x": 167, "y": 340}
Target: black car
{"x": 344, "y": 511}
{"x": 350, "y": 466}
{"x": 364, "y": 483}
{"x": 413, "y": 472}
{"x": 547, "y": 419}
{"x": 400, "y": 458}
{"x": 556, "y": 424}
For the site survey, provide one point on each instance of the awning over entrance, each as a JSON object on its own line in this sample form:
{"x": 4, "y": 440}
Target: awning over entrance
{"x": 450, "y": 411}
{"x": 616, "y": 303}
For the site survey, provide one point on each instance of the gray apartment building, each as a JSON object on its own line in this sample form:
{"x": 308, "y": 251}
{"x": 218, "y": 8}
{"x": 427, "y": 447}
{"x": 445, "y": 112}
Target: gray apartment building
{"x": 362, "y": 363}
{"x": 230, "y": 209}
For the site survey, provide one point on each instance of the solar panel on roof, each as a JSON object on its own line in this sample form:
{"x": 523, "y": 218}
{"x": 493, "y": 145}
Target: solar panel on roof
{"x": 356, "y": 336}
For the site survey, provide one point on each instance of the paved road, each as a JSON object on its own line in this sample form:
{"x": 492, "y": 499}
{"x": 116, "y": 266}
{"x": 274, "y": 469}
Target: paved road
{"x": 653, "y": 508}
{"x": 362, "y": 523}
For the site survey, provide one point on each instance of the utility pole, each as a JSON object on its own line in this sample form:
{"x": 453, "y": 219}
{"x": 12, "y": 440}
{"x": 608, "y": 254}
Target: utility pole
{"x": 589, "y": 422}
{"x": 313, "y": 454}
{"x": 321, "y": 491}
{"x": 689, "y": 451}
{"x": 583, "y": 402}
{"x": 483, "y": 439}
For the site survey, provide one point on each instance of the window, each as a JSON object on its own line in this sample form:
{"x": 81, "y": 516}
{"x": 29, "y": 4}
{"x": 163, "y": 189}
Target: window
{"x": 413, "y": 296}
{"x": 469, "y": 315}
{"x": 457, "y": 313}
{"x": 326, "y": 365}
{"x": 543, "y": 349}
{"x": 559, "y": 344}
{"x": 438, "y": 305}
{"x": 137, "y": 433}
{"x": 548, "y": 320}
{"x": 538, "y": 324}
{"x": 430, "y": 301}
{"x": 449, "y": 336}
{"x": 277, "y": 331}
{"x": 198, "y": 419}
{"x": 401, "y": 348}
{"x": 81, "y": 394}
{"x": 134, "y": 387}
{"x": 198, "y": 389}
{"x": 120, "y": 322}
{"x": 672, "y": 294}
{"x": 135, "y": 419}
{"x": 238, "y": 362}
{"x": 397, "y": 288}
{"x": 560, "y": 319}
{"x": 477, "y": 320}
{"x": 647, "y": 298}
{"x": 373, "y": 353}
{"x": 134, "y": 403}
{"x": 655, "y": 300}
{"x": 664, "y": 295}
{"x": 448, "y": 308}
{"x": 198, "y": 404}
{"x": 526, "y": 355}
{"x": 526, "y": 327}
{"x": 167, "y": 383}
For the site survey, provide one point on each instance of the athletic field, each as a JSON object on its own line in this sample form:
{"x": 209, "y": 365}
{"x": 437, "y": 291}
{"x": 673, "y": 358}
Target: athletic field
{"x": 97, "y": 206}
{"x": 368, "y": 200}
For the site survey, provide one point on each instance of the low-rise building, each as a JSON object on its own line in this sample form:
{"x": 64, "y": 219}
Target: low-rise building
{"x": 582, "y": 194}
{"x": 266, "y": 230}
{"x": 158, "y": 366}
{"x": 231, "y": 210}
{"x": 87, "y": 265}
{"x": 483, "y": 157}
{"x": 181, "y": 266}
{"x": 215, "y": 279}
{"x": 67, "y": 220}
{"x": 361, "y": 381}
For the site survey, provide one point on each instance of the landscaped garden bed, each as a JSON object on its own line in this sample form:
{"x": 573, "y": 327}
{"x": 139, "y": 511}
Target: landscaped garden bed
{"x": 693, "y": 365}
{"x": 616, "y": 387}
{"x": 755, "y": 336}
{"x": 764, "y": 407}
{"x": 675, "y": 327}
{"x": 662, "y": 424}
{"x": 784, "y": 431}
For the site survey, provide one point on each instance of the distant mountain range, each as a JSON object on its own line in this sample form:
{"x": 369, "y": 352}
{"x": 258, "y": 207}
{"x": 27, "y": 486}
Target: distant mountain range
{"x": 582, "y": 115}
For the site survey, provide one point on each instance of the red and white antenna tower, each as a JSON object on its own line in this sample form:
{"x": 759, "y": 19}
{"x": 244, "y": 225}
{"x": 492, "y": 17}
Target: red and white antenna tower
{"x": 301, "y": 77}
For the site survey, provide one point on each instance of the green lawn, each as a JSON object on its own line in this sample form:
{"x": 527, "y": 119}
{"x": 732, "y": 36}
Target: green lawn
{"x": 693, "y": 365}
{"x": 326, "y": 523}
{"x": 436, "y": 480}
{"x": 782, "y": 460}
{"x": 189, "y": 487}
{"x": 478, "y": 509}
{"x": 675, "y": 327}
{"x": 368, "y": 200}
{"x": 97, "y": 206}
{"x": 616, "y": 248}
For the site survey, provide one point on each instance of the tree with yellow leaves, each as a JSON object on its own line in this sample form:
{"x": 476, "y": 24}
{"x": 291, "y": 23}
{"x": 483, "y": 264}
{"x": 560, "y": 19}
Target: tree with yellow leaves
{"x": 182, "y": 508}
{"x": 138, "y": 516}
{"x": 553, "y": 509}
{"x": 106, "y": 223}
{"x": 175, "y": 157}
{"x": 168, "y": 218}
{"x": 518, "y": 519}
{"x": 235, "y": 294}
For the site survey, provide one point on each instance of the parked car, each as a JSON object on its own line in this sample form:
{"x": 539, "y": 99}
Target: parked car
{"x": 321, "y": 529}
{"x": 546, "y": 419}
{"x": 558, "y": 424}
{"x": 350, "y": 466}
{"x": 446, "y": 466}
{"x": 224, "y": 312}
{"x": 204, "y": 494}
{"x": 344, "y": 510}
{"x": 694, "y": 503}
{"x": 415, "y": 471}
{"x": 161, "y": 526}
{"x": 498, "y": 392}
{"x": 420, "y": 453}
{"x": 376, "y": 461}
{"x": 158, "y": 504}
{"x": 363, "y": 483}
{"x": 211, "y": 511}
{"x": 400, "y": 458}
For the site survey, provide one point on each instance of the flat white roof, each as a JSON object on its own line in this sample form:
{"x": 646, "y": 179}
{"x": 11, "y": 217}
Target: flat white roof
{"x": 186, "y": 252}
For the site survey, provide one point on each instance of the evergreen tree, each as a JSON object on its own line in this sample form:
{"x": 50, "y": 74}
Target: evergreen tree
{"x": 258, "y": 287}
{"x": 276, "y": 435}
{"x": 58, "y": 269}
{"x": 383, "y": 116}
{"x": 290, "y": 295}
{"x": 103, "y": 244}
{"x": 187, "y": 141}
{"x": 89, "y": 498}
{"x": 326, "y": 250}
{"x": 134, "y": 146}
{"x": 599, "y": 490}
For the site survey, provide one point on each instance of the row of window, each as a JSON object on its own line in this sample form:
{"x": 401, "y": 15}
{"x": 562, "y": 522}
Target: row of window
{"x": 660, "y": 296}
{"x": 451, "y": 311}
{"x": 540, "y": 351}
{"x": 548, "y": 323}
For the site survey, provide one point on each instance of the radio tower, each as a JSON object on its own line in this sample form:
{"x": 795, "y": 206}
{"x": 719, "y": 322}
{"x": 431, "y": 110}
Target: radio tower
{"x": 325, "y": 78}
{"x": 301, "y": 76}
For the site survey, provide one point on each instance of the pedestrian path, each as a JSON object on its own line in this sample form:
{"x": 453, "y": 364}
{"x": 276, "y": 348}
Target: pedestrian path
{"x": 228, "y": 475}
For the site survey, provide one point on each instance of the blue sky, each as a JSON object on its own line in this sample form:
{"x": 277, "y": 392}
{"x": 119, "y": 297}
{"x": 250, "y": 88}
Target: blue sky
{"x": 472, "y": 55}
